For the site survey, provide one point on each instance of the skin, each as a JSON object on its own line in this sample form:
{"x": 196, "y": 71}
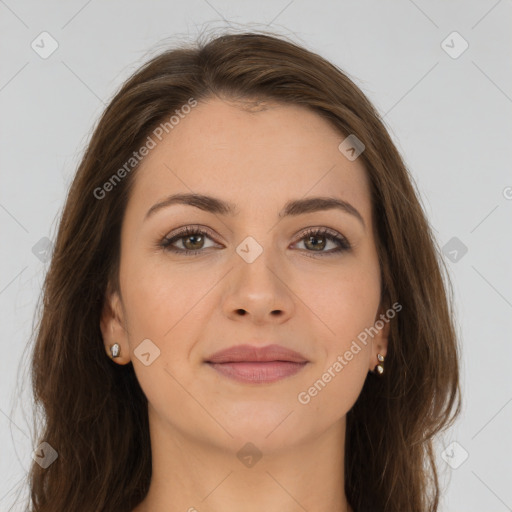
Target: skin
{"x": 191, "y": 306}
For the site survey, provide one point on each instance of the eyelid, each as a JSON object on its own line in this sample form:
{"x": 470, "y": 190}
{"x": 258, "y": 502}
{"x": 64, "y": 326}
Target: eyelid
{"x": 188, "y": 229}
{"x": 324, "y": 230}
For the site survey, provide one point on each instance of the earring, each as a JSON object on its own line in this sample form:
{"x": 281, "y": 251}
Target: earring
{"x": 380, "y": 366}
{"x": 114, "y": 350}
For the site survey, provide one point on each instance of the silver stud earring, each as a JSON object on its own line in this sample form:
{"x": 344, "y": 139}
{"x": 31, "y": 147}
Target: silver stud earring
{"x": 380, "y": 366}
{"x": 114, "y": 350}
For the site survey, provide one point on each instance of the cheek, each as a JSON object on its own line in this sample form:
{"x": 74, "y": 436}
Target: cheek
{"x": 344, "y": 305}
{"x": 167, "y": 302}
{"x": 163, "y": 304}
{"x": 347, "y": 306}
{"x": 343, "y": 302}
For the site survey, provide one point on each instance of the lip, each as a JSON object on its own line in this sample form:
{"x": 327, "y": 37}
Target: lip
{"x": 250, "y": 353}
{"x": 247, "y": 363}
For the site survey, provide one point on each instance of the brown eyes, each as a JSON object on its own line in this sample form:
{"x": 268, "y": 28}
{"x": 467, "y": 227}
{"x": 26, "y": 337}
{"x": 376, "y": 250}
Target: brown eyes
{"x": 192, "y": 238}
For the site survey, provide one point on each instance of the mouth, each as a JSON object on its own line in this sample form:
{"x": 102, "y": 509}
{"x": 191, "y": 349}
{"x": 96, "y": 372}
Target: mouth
{"x": 259, "y": 365}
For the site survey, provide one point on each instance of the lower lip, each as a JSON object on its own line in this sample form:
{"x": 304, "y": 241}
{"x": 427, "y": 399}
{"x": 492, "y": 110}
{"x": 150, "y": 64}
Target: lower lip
{"x": 258, "y": 372}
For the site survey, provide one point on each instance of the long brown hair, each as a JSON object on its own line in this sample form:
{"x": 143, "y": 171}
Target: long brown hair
{"x": 95, "y": 413}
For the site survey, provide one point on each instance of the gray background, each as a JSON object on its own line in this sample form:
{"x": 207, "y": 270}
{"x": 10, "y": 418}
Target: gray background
{"x": 450, "y": 118}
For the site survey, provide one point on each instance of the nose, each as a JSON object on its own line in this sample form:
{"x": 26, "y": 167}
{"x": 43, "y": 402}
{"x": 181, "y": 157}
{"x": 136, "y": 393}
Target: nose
{"x": 259, "y": 291}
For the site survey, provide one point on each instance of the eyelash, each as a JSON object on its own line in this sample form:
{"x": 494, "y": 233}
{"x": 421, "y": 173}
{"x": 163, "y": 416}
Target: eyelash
{"x": 343, "y": 243}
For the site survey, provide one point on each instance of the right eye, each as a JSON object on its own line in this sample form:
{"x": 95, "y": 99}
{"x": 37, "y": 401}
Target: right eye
{"x": 192, "y": 239}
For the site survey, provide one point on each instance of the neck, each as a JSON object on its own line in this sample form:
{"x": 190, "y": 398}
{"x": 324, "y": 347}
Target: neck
{"x": 193, "y": 476}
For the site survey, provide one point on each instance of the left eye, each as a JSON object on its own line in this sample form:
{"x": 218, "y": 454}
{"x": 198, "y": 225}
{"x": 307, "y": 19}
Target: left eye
{"x": 310, "y": 239}
{"x": 192, "y": 240}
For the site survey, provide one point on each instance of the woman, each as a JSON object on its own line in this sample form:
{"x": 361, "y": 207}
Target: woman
{"x": 243, "y": 241}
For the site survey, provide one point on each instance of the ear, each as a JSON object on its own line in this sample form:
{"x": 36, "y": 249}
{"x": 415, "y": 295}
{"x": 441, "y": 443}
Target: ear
{"x": 380, "y": 341}
{"x": 112, "y": 327}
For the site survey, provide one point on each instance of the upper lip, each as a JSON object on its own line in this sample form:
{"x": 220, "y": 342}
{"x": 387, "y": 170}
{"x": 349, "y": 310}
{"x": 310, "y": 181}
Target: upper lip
{"x": 250, "y": 353}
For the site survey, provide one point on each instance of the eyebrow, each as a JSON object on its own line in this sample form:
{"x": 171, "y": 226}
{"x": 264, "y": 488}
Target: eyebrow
{"x": 292, "y": 208}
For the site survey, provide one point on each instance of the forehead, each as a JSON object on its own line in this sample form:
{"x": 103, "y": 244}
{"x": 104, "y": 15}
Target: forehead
{"x": 255, "y": 154}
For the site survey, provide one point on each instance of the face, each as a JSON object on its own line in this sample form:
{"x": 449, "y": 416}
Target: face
{"x": 258, "y": 275}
